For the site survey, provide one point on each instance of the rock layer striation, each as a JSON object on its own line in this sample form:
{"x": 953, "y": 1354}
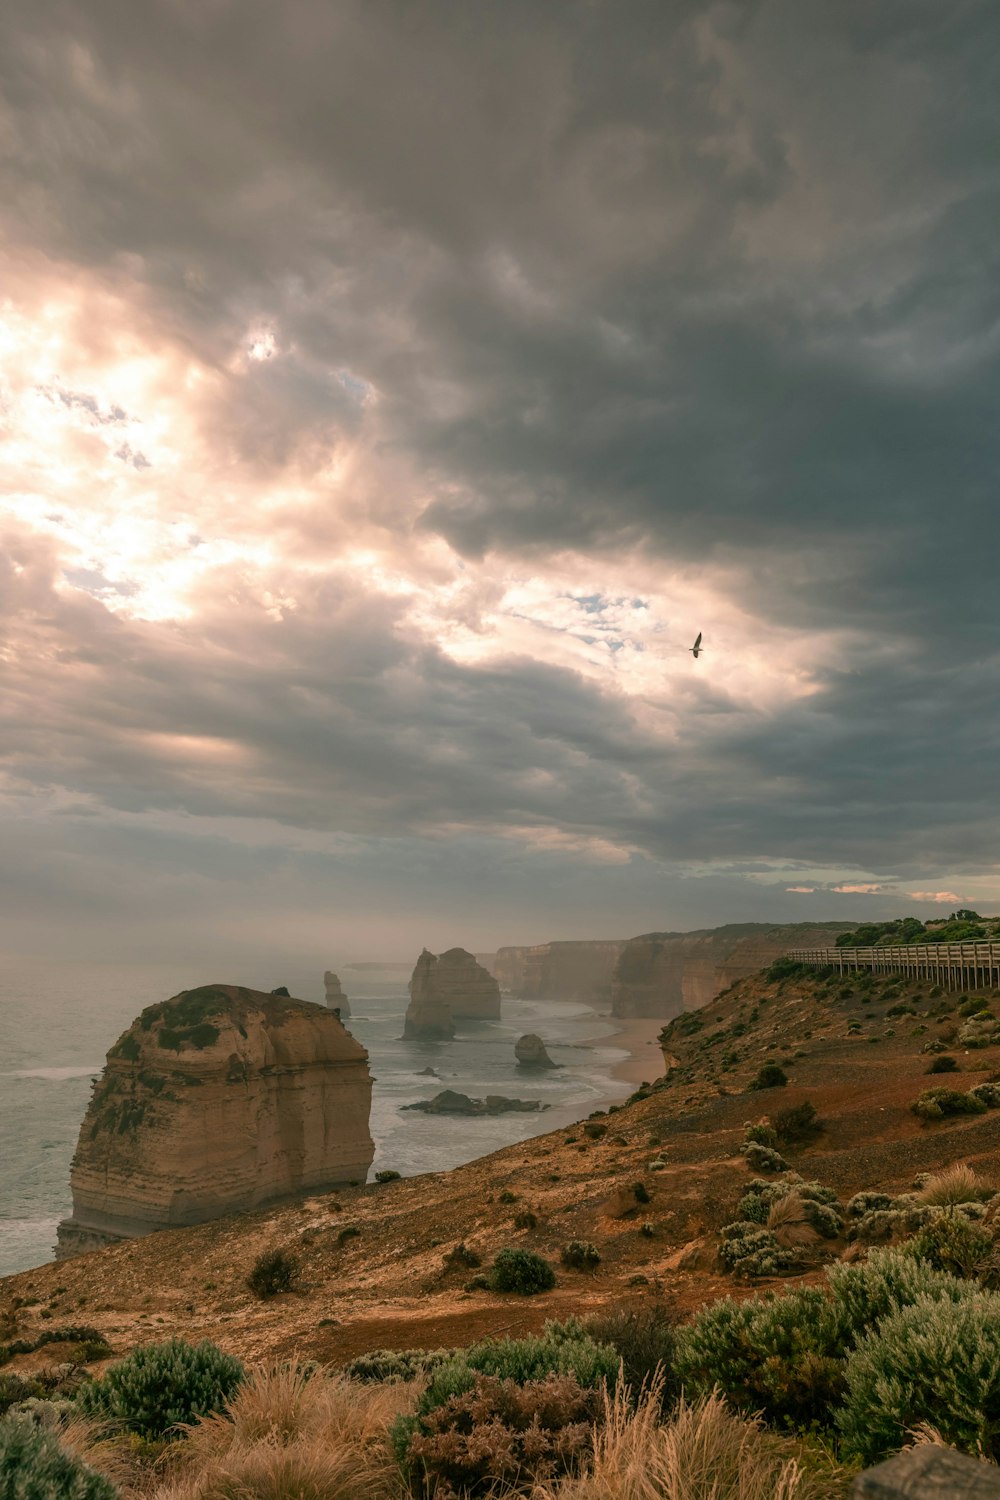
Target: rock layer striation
{"x": 219, "y": 1100}
{"x": 662, "y": 974}
{"x": 443, "y": 989}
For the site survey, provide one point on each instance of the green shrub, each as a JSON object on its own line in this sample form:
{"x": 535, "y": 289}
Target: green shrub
{"x": 521, "y": 1271}
{"x": 644, "y": 1338}
{"x": 34, "y": 1466}
{"x": 507, "y": 1196}
{"x": 762, "y": 1158}
{"x": 158, "y": 1386}
{"x": 780, "y": 1355}
{"x": 933, "y": 1361}
{"x": 951, "y": 1243}
{"x": 594, "y": 1130}
{"x": 393, "y": 1365}
{"x": 388, "y": 1175}
{"x": 936, "y": 1104}
{"x": 870, "y": 1290}
{"x": 580, "y": 1255}
{"x": 944, "y": 1063}
{"x": 987, "y": 1093}
{"x": 640, "y": 1192}
{"x": 770, "y": 1076}
{"x": 761, "y": 1134}
{"x": 526, "y": 1220}
{"x": 274, "y": 1271}
{"x": 749, "y": 1250}
{"x": 866, "y": 1203}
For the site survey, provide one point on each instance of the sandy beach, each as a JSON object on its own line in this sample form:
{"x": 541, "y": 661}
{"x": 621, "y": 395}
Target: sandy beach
{"x": 645, "y": 1060}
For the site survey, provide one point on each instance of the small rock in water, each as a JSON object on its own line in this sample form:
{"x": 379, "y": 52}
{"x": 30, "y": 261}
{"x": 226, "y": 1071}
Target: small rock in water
{"x": 450, "y": 1102}
{"x": 530, "y": 1052}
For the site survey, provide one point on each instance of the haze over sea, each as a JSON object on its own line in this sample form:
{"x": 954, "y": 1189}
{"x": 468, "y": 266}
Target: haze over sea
{"x": 57, "y": 1022}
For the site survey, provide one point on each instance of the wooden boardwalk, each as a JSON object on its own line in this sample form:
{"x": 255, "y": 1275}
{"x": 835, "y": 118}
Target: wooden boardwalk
{"x": 955, "y": 966}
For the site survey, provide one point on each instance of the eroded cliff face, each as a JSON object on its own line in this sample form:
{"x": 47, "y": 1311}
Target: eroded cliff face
{"x": 662, "y": 974}
{"x": 446, "y": 988}
{"x": 335, "y": 997}
{"x": 560, "y": 971}
{"x": 219, "y": 1100}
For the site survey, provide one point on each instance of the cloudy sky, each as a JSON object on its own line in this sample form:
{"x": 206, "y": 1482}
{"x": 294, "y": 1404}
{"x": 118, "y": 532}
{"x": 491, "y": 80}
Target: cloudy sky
{"x": 390, "y": 391}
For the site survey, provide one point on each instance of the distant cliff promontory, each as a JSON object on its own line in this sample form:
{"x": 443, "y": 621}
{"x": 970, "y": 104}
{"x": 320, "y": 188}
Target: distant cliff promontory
{"x": 662, "y": 974}
{"x": 560, "y": 971}
{"x": 219, "y": 1100}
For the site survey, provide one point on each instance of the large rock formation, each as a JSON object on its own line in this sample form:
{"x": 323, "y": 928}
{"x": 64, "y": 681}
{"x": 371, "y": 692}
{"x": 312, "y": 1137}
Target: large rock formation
{"x": 219, "y": 1100}
{"x": 335, "y": 997}
{"x": 662, "y": 974}
{"x": 560, "y": 971}
{"x": 530, "y": 1052}
{"x": 443, "y": 989}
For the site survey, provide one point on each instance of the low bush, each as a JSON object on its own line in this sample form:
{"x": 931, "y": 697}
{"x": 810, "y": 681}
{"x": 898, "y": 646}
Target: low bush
{"x": 798, "y": 1124}
{"x": 933, "y": 1361}
{"x": 763, "y": 1158}
{"x": 749, "y": 1250}
{"x": 951, "y": 1243}
{"x": 987, "y": 1093}
{"x": 521, "y": 1271}
{"x": 388, "y": 1175}
{"x": 943, "y": 1063}
{"x": 526, "y": 1220}
{"x": 644, "y": 1337}
{"x": 500, "y": 1433}
{"x": 866, "y": 1203}
{"x": 870, "y": 1290}
{"x": 461, "y": 1257}
{"x": 593, "y": 1129}
{"x": 770, "y": 1076}
{"x": 957, "y": 1184}
{"x": 273, "y": 1272}
{"x": 35, "y": 1466}
{"x": 159, "y": 1386}
{"x": 977, "y": 1034}
{"x": 580, "y": 1255}
{"x": 385, "y": 1366}
{"x": 89, "y": 1343}
{"x": 507, "y": 1196}
{"x": 761, "y": 1134}
{"x": 640, "y": 1192}
{"x": 936, "y": 1104}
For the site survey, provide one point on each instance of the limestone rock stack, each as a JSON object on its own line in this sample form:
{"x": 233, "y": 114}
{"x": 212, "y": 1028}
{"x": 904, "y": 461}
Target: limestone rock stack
{"x": 452, "y": 986}
{"x": 335, "y": 997}
{"x": 428, "y": 1015}
{"x": 219, "y": 1100}
{"x": 530, "y": 1052}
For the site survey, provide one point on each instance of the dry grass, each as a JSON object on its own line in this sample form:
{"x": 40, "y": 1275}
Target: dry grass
{"x": 956, "y": 1184}
{"x": 789, "y": 1224}
{"x": 288, "y": 1436}
{"x": 703, "y": 1453}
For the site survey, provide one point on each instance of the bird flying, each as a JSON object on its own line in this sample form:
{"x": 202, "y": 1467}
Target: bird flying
{"x": 696, "y": 648}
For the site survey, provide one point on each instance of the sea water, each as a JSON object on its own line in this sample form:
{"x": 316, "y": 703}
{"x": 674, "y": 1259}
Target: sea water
{"x": 57, "y": 1021}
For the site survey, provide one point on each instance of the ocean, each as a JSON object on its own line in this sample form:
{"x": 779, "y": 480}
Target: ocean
{"x": 57, "y": 1021}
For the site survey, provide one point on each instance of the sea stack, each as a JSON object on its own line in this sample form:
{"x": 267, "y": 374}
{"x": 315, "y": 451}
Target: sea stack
{"x": 219, "y": 1100}
{"x": 469, "y": 990}
{"x": 428, "y": 1015}
{"x": 335, "y": 997}
{"x": 530, "y": 1052}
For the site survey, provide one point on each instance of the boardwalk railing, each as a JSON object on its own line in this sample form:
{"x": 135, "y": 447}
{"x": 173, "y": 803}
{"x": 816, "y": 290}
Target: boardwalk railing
{"x": 955, "y": 966}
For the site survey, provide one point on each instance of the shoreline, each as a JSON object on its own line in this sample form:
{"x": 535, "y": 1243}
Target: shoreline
{"x": 640, "y": 1038}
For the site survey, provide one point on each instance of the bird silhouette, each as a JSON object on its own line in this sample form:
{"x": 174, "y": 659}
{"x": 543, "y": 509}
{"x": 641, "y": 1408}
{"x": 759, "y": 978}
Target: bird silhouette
{"x": 696, "y": 649}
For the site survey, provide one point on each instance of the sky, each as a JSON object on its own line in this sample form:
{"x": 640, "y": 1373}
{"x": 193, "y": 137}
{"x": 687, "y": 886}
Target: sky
{"x": 390, "y": 392}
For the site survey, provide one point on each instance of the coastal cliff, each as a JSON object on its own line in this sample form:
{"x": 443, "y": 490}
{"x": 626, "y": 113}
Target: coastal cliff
{"x": 661, "y": 974}
{"x": 219, "y": 1100}
{"x": 559, "y": 971}
{"x": 449, "y": 987}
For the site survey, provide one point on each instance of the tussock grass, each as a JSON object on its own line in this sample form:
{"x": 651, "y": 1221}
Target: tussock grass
{"x": 704, "y": 1453}
{"x": 291, "y": 1435}
{"x": 956, "y": 1184}
{"x": 788, "y": 1221}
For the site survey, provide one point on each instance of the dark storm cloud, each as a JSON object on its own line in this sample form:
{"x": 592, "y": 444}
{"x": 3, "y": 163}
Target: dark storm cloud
{"x": 715, "y": 282}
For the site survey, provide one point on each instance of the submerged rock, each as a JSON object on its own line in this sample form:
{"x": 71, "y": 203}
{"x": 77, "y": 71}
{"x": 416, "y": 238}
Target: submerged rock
{"x": 530, "y": 1052}
{"x": 335, "y": 997}
{"x": 450, "y": 1102}
{"x": 219, "y": 1100}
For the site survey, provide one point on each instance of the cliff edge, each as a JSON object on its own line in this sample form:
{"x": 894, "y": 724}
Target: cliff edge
{"x": 219, "y": 1100}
